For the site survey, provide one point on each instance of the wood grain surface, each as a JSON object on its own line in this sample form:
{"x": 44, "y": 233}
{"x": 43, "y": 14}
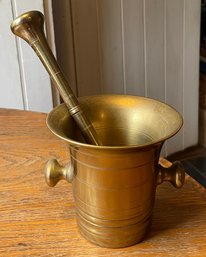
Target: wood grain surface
{"x": 36, "y": 220}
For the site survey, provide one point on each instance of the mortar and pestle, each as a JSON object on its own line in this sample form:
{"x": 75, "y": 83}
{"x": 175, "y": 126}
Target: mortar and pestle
{"x": 114, "y": 143}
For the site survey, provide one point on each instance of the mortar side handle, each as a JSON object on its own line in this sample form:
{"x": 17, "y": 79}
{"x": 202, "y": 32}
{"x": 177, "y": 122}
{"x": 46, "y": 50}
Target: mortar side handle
{"x": 54, "y": 172}
{"x": 171, "y": 172}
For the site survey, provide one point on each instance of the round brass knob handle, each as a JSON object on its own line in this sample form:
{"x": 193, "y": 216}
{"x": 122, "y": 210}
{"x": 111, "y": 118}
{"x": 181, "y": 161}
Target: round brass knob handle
{"x": 172, "y": 172}
{"x": 54, "y": 172}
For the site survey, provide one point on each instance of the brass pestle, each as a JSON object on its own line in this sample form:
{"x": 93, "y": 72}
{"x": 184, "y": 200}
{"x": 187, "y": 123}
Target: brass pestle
{"x": 29, "y": 26}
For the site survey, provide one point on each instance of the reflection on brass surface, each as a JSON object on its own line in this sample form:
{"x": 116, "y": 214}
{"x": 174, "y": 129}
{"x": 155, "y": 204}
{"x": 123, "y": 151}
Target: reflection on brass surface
{"x": 114, "y": 184}
{"x": 30, "y": 27}
{"x": 55, "y": 172}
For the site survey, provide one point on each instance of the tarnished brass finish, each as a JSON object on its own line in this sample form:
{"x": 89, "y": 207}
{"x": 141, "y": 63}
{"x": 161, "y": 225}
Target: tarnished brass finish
{"x": 114, "y": 184}
{"x": 30, "y": 27}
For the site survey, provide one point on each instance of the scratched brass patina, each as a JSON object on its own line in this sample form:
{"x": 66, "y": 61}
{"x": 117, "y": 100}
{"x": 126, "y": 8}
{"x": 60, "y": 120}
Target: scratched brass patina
{"x": 114, "y": 184}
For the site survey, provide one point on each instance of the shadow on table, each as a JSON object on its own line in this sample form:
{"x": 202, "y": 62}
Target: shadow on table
{"x": 177, "y": 208}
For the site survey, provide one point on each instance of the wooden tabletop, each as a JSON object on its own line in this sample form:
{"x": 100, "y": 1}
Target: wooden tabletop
{"x": 36, "y": 220}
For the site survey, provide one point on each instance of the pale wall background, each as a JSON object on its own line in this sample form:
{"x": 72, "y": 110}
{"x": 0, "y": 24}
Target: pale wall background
{"x": 24, "y": 82}
{"x": 139, "y": 47}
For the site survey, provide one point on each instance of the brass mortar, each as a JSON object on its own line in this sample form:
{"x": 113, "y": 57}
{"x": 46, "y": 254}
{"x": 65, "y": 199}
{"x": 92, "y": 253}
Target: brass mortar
{"x": 114, "y": 185}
